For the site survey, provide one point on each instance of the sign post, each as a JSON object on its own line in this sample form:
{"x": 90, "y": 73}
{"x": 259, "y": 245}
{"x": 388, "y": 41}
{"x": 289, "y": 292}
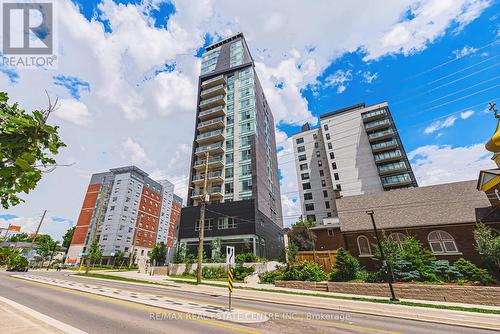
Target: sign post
{"x": 230, "y": 265}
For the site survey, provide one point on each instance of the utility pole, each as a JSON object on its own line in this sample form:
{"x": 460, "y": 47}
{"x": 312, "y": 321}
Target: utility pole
{"x": 132, "y": 248}
{"x": 493, "y": 109}
{"x": 201, "y": 224}
{"x": 36, "y": 233}
{"x": 382, "y": 258}
{"x": 97, "y": 223}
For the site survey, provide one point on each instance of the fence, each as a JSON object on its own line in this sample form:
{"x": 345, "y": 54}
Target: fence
{"x": 326, "y": 259}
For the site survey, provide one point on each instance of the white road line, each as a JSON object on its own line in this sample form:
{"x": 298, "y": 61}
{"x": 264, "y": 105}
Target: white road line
{"x": 42, "y": 317}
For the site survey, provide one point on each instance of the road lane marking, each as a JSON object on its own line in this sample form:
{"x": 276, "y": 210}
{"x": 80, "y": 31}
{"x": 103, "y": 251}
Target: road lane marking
{"x": 343, "y": 324}
{"x": 140, "y": 306}
{"x": 42, "y": 317}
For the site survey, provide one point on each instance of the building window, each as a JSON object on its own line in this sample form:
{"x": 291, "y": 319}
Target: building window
{"x": 311, "y": 218}
{"x": 442, "y": 242}
{"x": 306, "y": 186}
{"x": 323, "y": 183}
{"x": 332, "y": 155}
{"x": 226, "y": 223}
{"x": 305, "y": 176}
{"x": 207, "y": 227}
{"x": 330, "y": 146}
{"x": 328, "y": 136}
{"x": 299, "y": 140}
{"x": 318, "y": 154}
{"x": 325, "y": 193}
{"x": 336, "y": 176}
{"x": 302, "y": 157}
{"x": 316, "y": 145}
{"x": 364, "y": 246}
{"x": 303, "y": 166}
{"x": 339, "y": 187}
{"x": 320, "y": 163}
{"x": 246, "y": 185}
{"x": 397, "y": 238}
{"x": 310, "y": 207}
{"x": 315, "y": 136}
{"x": 325, "y": 127}
{"x": 330, "y": 232}
{"x": 301, "y": 149}
{"x": 308, "y": 196}
{"x": 334, "y": 165}
{"x": 321, "y": 172}
{"x": 327, "y": 205}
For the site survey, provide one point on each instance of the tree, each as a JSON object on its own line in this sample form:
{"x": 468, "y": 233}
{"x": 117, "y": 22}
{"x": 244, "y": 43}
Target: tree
{"x": 488, "y": 245}
{"x": 346, "y": 267}
{"x": 119, "y": 258}
{"x": 19, "y": 237}
{"x": 45, "y": 246}
{"x": 301, "y": 235}
{"x": 27, "y": 144}
{"x": 95, "y": 253}
{"x": 215, "y": 246}
{"x": 159, "y": 254}
{"x": 67, "y": 237}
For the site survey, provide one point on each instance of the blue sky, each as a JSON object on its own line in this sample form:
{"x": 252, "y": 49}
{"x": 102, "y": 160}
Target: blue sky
{"x": 128, "y": 72}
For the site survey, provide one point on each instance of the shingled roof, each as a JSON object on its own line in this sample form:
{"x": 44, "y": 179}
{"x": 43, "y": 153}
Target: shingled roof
{"x": 442, "y": 204}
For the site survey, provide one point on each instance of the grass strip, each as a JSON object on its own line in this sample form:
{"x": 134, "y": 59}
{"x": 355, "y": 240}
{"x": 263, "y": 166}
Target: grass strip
{"x": 363, "y": 299}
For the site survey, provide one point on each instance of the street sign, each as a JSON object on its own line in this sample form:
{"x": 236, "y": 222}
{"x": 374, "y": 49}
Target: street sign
{"x": 230, "y": 255}
{"x": 230, "y": 284}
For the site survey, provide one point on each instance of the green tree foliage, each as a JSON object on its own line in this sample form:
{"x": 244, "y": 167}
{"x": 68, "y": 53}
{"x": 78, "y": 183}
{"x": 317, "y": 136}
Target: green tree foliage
{"x": 445, "y": 271}
{"x": 346, "y": 267}
{"x": 27, "y": 147}
{"x": 95, "y": 253}
{"x": 472, "y": 273}
{"x": 240, "y": 272}
{"x": 304, "y": 271}
{"x": 17, "y": 262}
{"x": 5, "y": 252}
{"x": 488, "y": 245}
{"x": 119, "y": 258}
{"x": 67, "y": 237}
{"x": 301, "y": 235}
{"x": 159, "y": 254}
{"x": 45, "y": 246}
{"x": 291, "y": 251}
{"x": 19, "y": 237}
{"x": 272, "y": 276}
{"x": 246, "y": 257}
{"x": 215, "y": 246}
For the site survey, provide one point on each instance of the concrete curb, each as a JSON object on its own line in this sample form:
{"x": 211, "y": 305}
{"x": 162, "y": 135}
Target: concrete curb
{"x": 173, "y": 304}
{"x": 42, "y": 317}
{"x": 442, "y": 316}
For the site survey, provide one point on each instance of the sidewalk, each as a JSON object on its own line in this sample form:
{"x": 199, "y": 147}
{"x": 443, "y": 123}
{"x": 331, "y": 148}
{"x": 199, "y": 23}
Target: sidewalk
{"x": 19, "y": 319}
{"x": 461, "y": 318}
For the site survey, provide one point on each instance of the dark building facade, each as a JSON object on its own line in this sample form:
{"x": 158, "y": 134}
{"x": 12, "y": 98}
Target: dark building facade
{"x": 235, "y": 131}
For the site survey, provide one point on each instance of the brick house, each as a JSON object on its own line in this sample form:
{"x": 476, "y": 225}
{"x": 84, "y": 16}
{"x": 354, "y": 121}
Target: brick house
{"x": 441, "y": 217}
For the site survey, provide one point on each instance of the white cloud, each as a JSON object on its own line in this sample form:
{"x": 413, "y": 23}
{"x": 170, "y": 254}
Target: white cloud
{"x": 134, "y": 153}
{"x": 73, "y": 111}
{"x": 56, "y": 228}
{"x": 466, "y": 50}
{"x": 340, "y": 79}
{"x": 434, "y": 164}
{"x": 438, "y": 125}
{"x": 368, "y": 77}
{"x": 466, "y": 114}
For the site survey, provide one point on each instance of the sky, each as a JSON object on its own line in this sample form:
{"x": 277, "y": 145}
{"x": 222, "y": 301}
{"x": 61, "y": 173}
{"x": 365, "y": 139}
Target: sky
{"x": 127, "y": 75}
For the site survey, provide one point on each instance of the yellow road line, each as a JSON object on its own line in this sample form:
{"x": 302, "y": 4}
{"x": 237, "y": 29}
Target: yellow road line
{"x": 139, "y": 306}
{"x": 342, "y": 324}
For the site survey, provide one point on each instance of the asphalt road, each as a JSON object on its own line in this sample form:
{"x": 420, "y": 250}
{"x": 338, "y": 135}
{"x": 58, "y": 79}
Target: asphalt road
{"x": 97, "y": 314}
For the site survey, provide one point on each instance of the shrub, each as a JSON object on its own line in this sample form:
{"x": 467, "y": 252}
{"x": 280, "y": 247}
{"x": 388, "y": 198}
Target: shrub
{"x": 240, "y": 272}
{"x": 272, "y": 276}
{"x": 17, "y": 262}
{"x": 246, "y": 257}
{"x": 346, "y": 267}
{"x": 444, "y": 271}
{"x": 304, "y": 271}
{"x": 488, "y": 245}
{"x": 213, "y": 272}
{"x": 472, "y": 273}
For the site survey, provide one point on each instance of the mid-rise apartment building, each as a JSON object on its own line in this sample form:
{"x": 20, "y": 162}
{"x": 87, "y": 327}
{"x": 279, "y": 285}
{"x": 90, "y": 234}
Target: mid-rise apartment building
{"x": 235, "y": 136}
{"x": 124, "y": 210}
{"x": 356, "y": 150}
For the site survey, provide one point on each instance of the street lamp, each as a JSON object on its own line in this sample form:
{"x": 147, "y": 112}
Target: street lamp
{"x": 386, "y": 265}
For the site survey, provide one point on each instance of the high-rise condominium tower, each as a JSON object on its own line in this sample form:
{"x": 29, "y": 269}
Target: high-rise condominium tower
{"x": 235, "y": 130}
{"x": 356, "y": 150}
{"x": 135, "y": 213}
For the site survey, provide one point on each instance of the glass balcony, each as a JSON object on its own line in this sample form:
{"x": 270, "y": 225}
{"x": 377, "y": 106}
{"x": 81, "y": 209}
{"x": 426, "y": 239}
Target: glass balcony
{"x": 212, "y": 124}
{"x": 212, "y": 102}
{"x": 214, "y": 176}
{"x": 213, "y": 81}
{"x": 214, "y": 192}
{"x": 377, "y": 125}
{"x": 216, "y": 148}
{"x": 384, "y": 146}
{"x": 388, "y": 156}
{"x": 386, "y": 134}
{"x": 213, "y": 91}
{"x": 373, "y": 115}
{"x": 396, "y": 180}
{"x": 210, "y": 137}
{"x": 211, "y": 113}
{"x": 392, "y": 168}
{"x": 214, "y": 162}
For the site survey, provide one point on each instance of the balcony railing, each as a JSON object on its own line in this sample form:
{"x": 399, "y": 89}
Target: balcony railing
{"x": 392, "y": 167}
{"x": 210, "y": 136}
{"x": 381, "y": 135}
{"x": 212, "y": 175}
{"x": 388, "y": 156}
{"x": 213, "y": 91}
{"x": 378, "y": 147}
{"x": 380, "y": 124}
{"x": 213, "y": 81}
{"x": 217, "y": 147}
{"x": 217, "y": 161}
{"x": 212, "y": 112}
{"x": 396, "y": 180}
{"x": 213, "y": 192}
{"x": 369, "y": 116}
{"x": 212, "y": 102}
{"x": 211, "y": 124}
